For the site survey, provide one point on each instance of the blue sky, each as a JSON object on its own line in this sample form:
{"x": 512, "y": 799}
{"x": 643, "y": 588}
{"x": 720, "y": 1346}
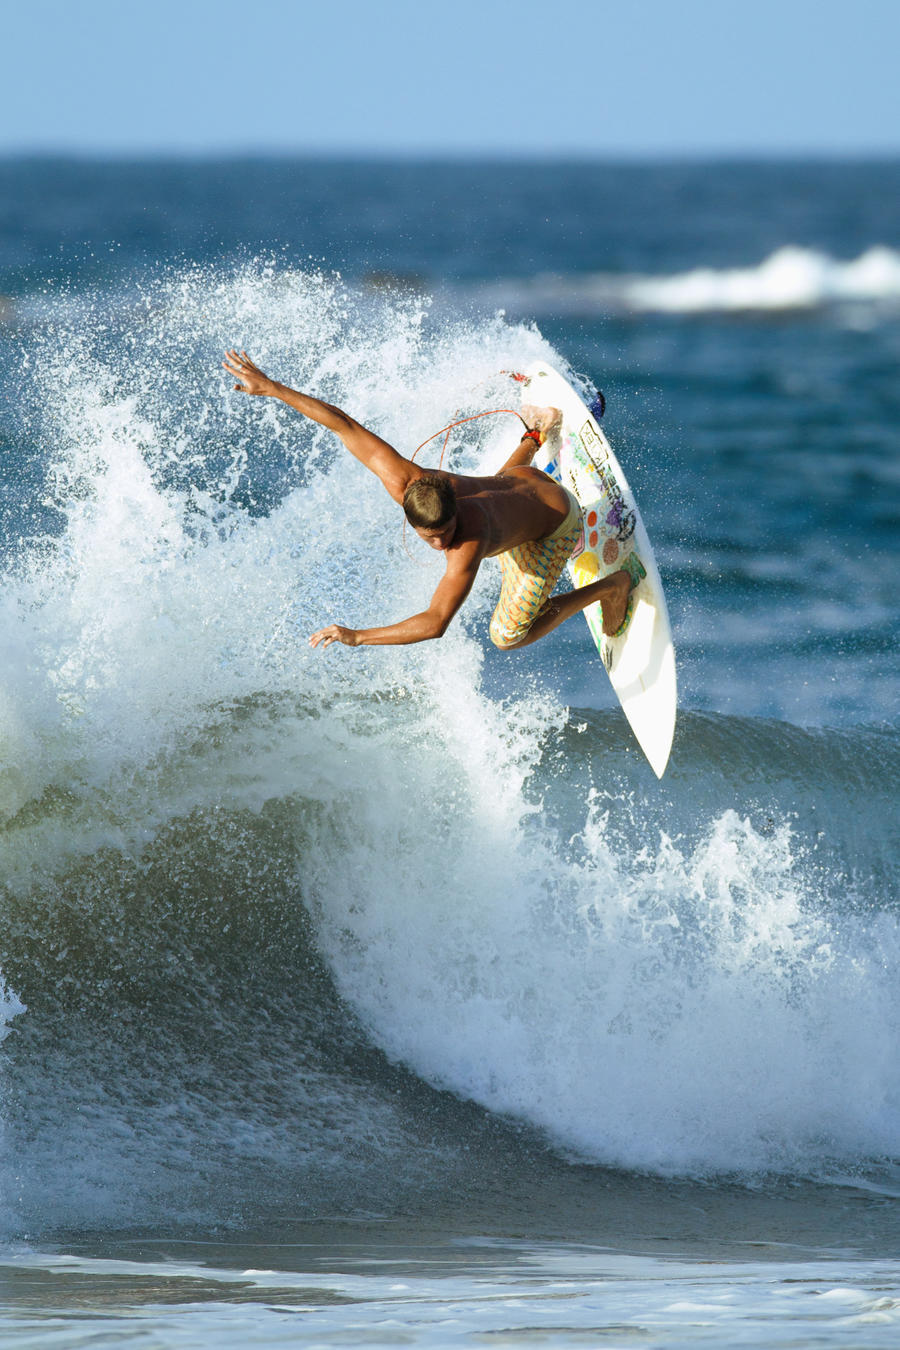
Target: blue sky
{"x": 635, "y": 77}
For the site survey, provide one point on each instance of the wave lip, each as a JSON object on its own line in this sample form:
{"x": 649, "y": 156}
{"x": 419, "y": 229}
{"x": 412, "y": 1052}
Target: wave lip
{"x": 790, "y": 279}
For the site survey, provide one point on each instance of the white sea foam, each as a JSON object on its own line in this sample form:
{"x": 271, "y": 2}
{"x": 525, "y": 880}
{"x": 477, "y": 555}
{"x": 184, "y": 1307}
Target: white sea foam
{"x": 650, "y": 1006}
{"x": 511, "y": 1292}
{"x": 675, "y": 1005}
{"x": 790, "y": 279}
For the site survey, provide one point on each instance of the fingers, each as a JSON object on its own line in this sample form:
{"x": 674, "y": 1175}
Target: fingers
{"x": 239, "y": 363}
{"x": 232, "y": 365}
{"x": 333, "y": 633}
{"x": 240, "y": 367}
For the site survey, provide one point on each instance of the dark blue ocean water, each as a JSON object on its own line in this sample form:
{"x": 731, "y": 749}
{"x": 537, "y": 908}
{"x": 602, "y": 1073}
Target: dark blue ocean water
{"x": 331, "y": 959}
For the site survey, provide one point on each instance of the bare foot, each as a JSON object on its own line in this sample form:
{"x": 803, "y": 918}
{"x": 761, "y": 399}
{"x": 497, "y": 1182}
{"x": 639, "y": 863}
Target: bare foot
{"x": 546, "y": 420}
{"x": 615, "y": 602}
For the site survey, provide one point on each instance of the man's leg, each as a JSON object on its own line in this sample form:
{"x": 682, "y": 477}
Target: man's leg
{"x": 612, "y": 591}
{"x": 527, "y": 609}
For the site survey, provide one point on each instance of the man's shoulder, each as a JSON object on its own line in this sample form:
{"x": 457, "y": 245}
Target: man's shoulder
{"x": 525, "y": 473}
{"x": 467, "y": 486}
{"x": 474, "y": 535}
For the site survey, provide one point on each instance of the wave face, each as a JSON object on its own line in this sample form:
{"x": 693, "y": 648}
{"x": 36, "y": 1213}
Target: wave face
{"x": 282, "y": 922}
{"x": 791, "y": 279}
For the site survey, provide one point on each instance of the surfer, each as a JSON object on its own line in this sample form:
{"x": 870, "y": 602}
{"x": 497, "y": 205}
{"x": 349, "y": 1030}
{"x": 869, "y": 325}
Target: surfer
{"x": 519, "y": 514}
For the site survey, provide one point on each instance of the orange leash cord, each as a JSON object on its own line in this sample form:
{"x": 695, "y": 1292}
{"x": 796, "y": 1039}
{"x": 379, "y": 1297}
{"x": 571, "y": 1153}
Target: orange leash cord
{"x": 491, "y": 412}
{"x": 513, "y": 375}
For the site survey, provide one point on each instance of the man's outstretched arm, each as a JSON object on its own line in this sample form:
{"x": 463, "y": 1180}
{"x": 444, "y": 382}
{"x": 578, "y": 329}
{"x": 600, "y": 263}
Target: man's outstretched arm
{"x": 431, "y": 623}
{"x": 395, "y": 472}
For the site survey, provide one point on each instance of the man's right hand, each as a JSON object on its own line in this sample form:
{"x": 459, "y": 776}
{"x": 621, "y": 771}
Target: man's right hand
{"x": 395, "y": 471}
{"x": 252, "y": 379}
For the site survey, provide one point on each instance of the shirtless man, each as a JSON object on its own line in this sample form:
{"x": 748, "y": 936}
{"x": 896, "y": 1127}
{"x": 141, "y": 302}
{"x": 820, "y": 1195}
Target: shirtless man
{"x": 520, "y": 514}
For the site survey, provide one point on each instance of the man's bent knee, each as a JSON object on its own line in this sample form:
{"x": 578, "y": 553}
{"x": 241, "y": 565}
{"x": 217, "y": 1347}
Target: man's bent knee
{"x": 507, "y": 636}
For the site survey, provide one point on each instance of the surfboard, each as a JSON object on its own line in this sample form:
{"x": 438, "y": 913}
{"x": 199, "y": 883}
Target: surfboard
{"x": 641, "y": 662}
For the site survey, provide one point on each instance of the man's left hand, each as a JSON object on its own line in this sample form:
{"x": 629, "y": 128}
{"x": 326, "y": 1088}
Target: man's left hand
{"x": 335, "y": 633}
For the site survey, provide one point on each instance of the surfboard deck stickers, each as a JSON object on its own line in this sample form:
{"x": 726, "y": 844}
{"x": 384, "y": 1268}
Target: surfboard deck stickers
{"x": 640, "y": 662}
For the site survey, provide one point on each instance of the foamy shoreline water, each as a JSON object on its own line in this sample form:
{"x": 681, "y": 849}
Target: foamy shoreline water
{"x": 455, "y": 1294}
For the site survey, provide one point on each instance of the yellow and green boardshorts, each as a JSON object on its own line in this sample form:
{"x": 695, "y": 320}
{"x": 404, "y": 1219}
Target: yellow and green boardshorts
{"x": 530, "y": 573}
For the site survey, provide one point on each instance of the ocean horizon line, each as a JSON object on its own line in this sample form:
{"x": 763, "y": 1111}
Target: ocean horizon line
{"x": 650, "y": 158}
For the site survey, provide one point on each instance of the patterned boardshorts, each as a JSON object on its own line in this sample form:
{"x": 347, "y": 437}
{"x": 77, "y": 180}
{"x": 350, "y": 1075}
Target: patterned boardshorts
{"x": 530, "y": 573}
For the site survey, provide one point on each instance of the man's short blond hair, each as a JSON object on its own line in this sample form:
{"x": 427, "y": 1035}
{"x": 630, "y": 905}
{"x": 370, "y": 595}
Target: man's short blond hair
{"x": 430, "y": 502}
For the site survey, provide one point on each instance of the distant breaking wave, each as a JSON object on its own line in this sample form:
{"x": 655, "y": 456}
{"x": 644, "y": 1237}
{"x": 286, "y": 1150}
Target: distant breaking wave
{"x": 791, "y": 279}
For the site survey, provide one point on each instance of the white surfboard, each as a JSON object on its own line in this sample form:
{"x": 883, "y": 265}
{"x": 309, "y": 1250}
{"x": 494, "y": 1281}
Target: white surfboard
{"x": 640, "y": 663}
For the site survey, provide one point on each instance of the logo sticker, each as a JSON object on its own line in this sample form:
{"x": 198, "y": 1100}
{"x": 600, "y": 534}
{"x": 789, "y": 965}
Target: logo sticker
{"x": 592, "y": 442}
{"x": 619, "y": 517}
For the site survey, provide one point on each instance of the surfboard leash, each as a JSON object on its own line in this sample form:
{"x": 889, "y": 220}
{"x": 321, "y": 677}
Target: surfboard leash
{"x": 491, "y": 412}
{"x": 445, "y": 431}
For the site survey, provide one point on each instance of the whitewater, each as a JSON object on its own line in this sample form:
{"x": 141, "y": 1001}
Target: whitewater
{"x": 790, "y": 280}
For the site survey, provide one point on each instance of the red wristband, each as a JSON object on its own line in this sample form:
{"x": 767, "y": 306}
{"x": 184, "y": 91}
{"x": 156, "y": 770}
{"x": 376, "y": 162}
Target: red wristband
{"x": 532, "y": 434}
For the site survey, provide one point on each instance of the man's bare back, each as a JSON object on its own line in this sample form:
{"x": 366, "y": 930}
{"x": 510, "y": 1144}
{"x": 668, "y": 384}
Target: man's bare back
{"x": 511, "y": 508}
{"x": 483, "y": 517}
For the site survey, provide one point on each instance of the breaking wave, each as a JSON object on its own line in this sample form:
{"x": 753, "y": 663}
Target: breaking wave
{"x": 280, "y": 924}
